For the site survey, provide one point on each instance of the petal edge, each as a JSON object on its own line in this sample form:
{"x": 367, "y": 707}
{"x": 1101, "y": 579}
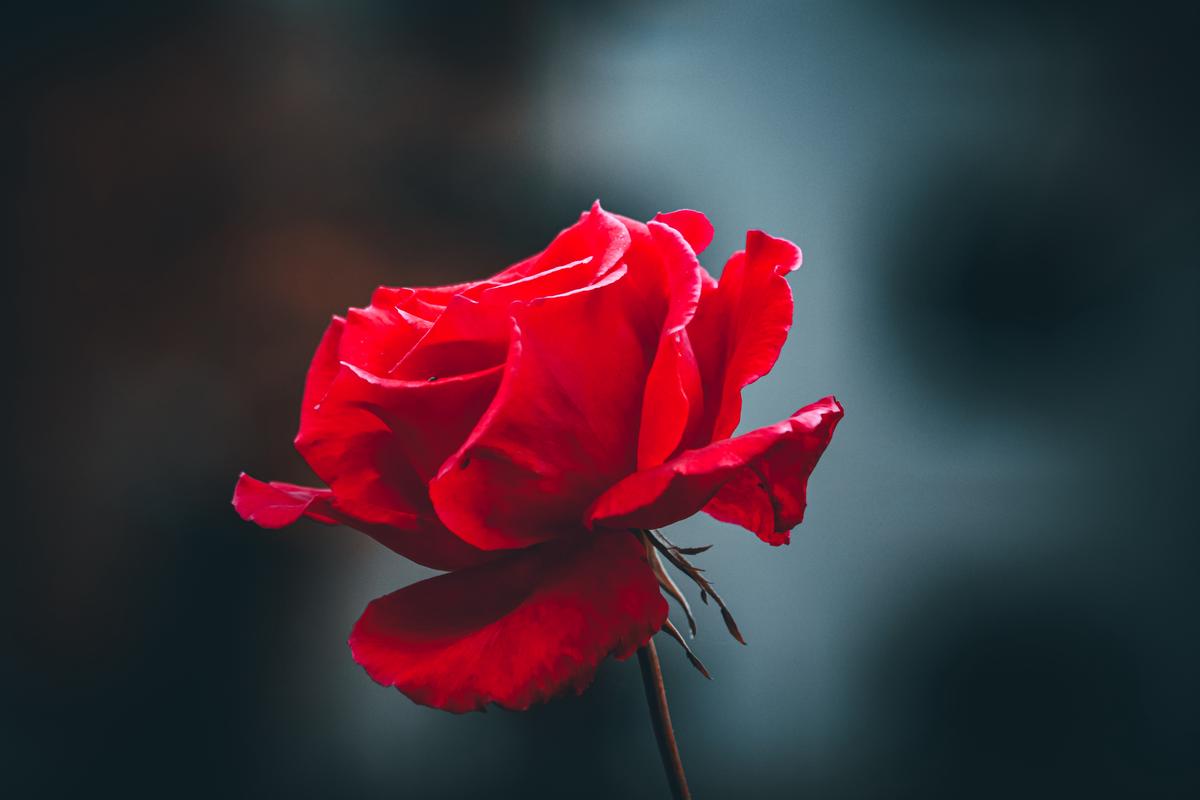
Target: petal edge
{"x": 517, "y": 631}
{"x": 778, "y": 459}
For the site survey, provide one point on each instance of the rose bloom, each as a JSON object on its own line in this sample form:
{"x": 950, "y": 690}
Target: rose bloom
{"x": 518, "y": 431}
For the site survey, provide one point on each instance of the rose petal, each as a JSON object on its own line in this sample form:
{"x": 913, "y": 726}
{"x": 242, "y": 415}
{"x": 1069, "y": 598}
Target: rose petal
{"x": 377, "y": 442}
{"x": 361, "y": 440}
{"x": 326, "y": 444}
{"x": 276, "y": 505}
{"x": 429, "y": 419}
{"x": 692, "y": 225}
{"x": 598, "y": 235}
{"x": 433, "y": 296}
{"x": 776, "y": 459}
{"x": 324, "y": 366}
{"x": 740, "y": 327}
{"x": 681, "y": 276}
{"x": 473, "y": 332}
{"x": 466, "y": 338}
{"x": 564, "y": 422}
{"x": 378, "y": 336}
{"x": 673, "y": 397}
{"x": 354, "y": 451}
{"x": 770, "y": 495}
{"x": 518, "y": 631}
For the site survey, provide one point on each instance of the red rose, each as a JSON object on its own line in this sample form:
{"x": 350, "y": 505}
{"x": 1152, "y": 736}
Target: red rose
{"x": 515, "y": 430}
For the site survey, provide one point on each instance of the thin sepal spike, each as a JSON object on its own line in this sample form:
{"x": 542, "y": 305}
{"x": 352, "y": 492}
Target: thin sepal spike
{"x": 673, "y": 555}
{"x": 670, "y": 629}
{"x": 669, "y": 586}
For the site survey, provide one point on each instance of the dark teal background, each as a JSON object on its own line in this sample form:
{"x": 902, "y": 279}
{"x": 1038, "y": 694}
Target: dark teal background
{"x": 994, "y": 593}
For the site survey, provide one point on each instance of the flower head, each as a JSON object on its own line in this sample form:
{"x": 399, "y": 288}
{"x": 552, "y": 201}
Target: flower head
{"x": 514, "y": 431}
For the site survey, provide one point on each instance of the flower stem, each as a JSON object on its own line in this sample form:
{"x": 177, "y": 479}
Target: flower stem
{"x": 660, "y": 716}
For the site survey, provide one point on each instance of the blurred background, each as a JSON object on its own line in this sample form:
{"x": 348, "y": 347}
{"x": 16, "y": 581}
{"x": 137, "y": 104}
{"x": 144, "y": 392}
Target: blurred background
{"x": 994, "y": 592}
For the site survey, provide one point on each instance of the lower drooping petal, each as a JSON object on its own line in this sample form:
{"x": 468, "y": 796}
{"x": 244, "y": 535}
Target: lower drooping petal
{"x": 517, "y": 631}
{"x": 756, "y": 480}
{"x": 426, "y": 541}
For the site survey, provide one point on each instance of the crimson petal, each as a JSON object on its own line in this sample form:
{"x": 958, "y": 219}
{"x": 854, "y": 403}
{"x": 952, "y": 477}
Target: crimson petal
{"x": 363, "y": 440}
{"x": 428, "y": 419}
{"x": 425, "y": 541}
{"x": 474, "y": 331}
{"x": 564, "y": 423}
{"x": 277, "y": 505}
{"x": 692, "y": 225}
{"x": 517, "y": 631}
{"x": 598, "y": 234}
{"x": 673, "y": 396}
{"x": 740, "y": 327}
{"x": 323, "y": 368}
{"x": 757, "y": 480}
{"x": 378, "y": 336}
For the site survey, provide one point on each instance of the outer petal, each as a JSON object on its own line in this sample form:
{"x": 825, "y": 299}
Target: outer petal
{"x": 276, "y": 505}
{"x": 564, "y": 423}
{"x": 769, "y": 496}
{"x": 474, "y": 331}
{"x": 373, "y": 440}
{"x": 345, "y": 444}
{"x": 759, "y": 479}
{"x": 673, "y": 400}
{"x": 355, "y": 452}
{"x": 673, "y": 396}
{"x": 740, "y": 327}
{"x": 517, "y": 631}
{"x": 377, "y": 442}
{"x": 692, "y": 225}
{"x": 403, "y": 523}
{"x": 435, "y": 296}
{"x": 598, "y": 235}
{"x": 378, "y": 336}
{"x": 323, "y": 368}
{"x": 428, "y": 419}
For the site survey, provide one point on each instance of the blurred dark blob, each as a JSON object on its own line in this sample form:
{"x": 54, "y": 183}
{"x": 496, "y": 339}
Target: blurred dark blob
{"x": 991, "y": 693}
{"x": 994, "y": 594}
{"x": 1040, "y": 277}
